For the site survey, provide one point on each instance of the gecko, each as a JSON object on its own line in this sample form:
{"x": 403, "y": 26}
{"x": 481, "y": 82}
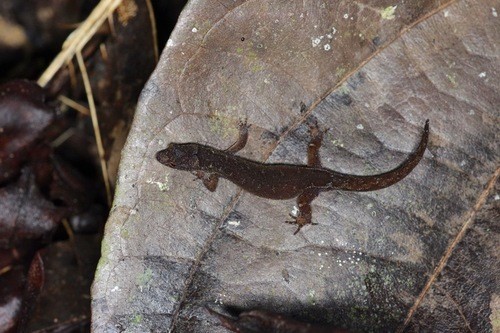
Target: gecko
{"x": 281, "y": 181}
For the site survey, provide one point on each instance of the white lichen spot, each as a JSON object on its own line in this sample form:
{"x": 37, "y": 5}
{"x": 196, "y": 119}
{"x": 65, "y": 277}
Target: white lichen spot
{"x": 295, "y": 211}
{"x": 346, "y": 16}
{"x": 170, "y": 42}
{"x": 234, "y": 223}
{"x": 446, "y": 13}
{"x": 494, "y": 12}
{"x": 360, "y": 126}
{"x": 266, "y": 81}
{"x": 315, "y": 41}
{"x": 301, "y": 15}
{"x": 496, "y": 197}
{"x": 482, "y": 74}
{"x": 115, "y": 289}
{"x": 162, "y": 186}
{"x": 319, "y": 254}
{"x": 388, "y": 13}
{"x": 133, "y": 211}
{"x": 472, "y": 112}
{"x": 463, "y": 163}
{"x": 194, "y": 30}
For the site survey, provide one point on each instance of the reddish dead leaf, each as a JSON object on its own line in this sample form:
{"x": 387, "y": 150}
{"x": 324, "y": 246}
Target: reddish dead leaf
{"x": 32, "y": 289}
{"x": 23, "y": 118}
{"x": 25, "y": 213}
{"x": 68, "y": 187}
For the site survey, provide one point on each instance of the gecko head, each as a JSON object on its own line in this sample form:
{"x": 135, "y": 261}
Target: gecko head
{"x": 181, "y": 156}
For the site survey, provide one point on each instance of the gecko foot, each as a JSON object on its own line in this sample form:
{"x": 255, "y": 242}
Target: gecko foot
{"x": 314, "y": 130}
{"x": 299, "y": 226}
{"x": 243, "y": 124}
{"x": 300, "y": 221}
{"x": 210, "y": 180}
{"x": 242, "y": 137}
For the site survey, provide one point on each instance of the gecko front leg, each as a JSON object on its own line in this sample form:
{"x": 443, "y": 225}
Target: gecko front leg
{"x": 211, "y": 180}
{"x": 242, "y": 138}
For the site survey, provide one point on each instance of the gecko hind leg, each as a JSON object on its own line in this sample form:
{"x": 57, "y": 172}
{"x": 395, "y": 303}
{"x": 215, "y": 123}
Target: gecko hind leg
{"x": 305, "y": 212}
{"x": 313, "y": 160}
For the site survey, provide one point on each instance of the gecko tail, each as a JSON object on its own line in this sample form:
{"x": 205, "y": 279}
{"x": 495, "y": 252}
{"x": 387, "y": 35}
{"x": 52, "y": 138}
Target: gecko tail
{"x": 386, "y": 179}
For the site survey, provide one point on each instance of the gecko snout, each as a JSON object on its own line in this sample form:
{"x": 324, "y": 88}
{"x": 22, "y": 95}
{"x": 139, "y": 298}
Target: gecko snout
{"x": 162, "y": 157}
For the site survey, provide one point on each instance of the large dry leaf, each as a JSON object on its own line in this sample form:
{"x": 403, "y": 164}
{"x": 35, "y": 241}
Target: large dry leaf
{"x": 371, "y": 72}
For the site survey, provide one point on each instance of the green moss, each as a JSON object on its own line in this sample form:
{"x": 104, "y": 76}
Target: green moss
{"x": 105, "y": 250}
{"x": 388, "y": 13}
{"x": 257, "y": 67}
{"x": 343, "y": 90}
{"x": 311, "y": 297}
{"x": 340, "y": 71}
{"x": 453, "y": 79}
{"x": 124, "y": 233}
{"x": 137, "y": 319}
{"x": 222, "y": 125}
{"x": 143, "y": 279}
